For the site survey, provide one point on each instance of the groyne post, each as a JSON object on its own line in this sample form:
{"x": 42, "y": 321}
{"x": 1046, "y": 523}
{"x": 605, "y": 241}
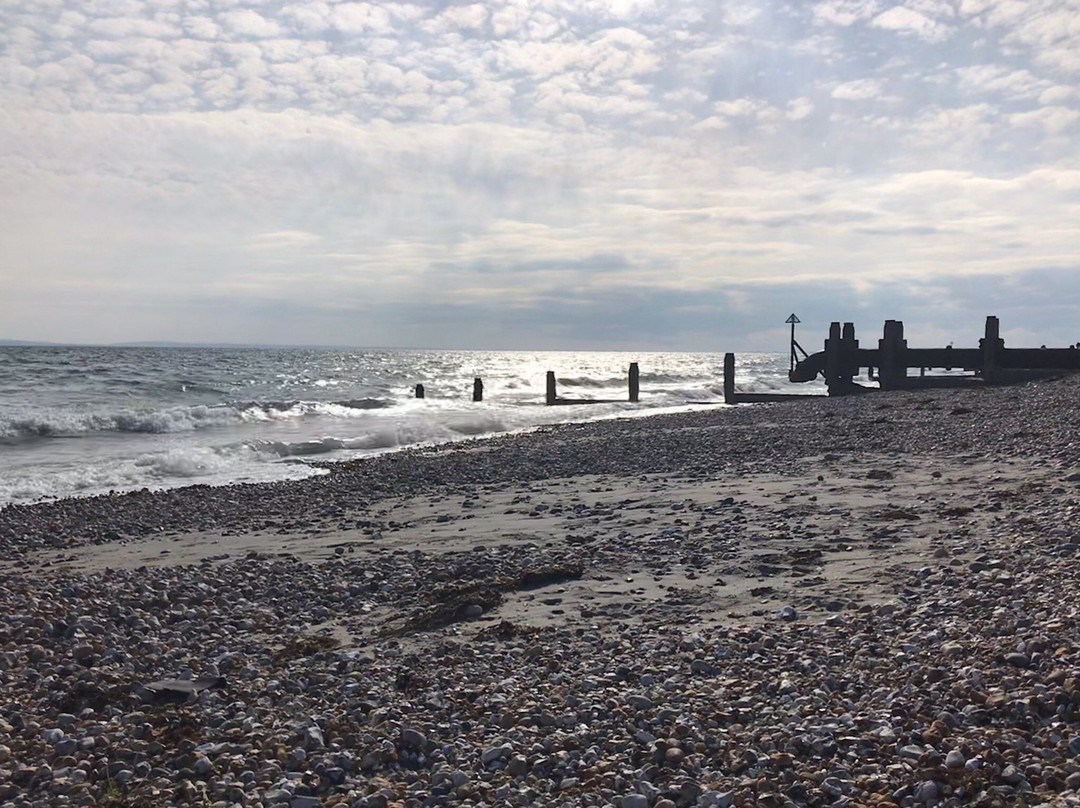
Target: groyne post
{"x": 841, "y": 359}
{"x": 891, "y": 348}
{"x": 419, "y": 391}
{"x": 551, "y": 396}
{"x": 849, "y": 346}
{"x": 477, "y": 389}
{"x": 834, "y": 362}
{"x": 992, "y": 346}
{"x": 729, "y": 378}
{"x": 634, "y": 378}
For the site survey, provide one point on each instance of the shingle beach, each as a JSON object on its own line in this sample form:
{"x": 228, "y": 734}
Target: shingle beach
{"x": 852, "y": 602}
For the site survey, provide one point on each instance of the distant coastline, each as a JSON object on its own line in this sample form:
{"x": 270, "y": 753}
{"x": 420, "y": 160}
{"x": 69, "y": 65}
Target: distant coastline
{"x": 20, "y": 343}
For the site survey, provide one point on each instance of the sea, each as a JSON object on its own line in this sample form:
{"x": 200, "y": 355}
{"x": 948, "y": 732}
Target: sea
{"x": 80, "y": 421}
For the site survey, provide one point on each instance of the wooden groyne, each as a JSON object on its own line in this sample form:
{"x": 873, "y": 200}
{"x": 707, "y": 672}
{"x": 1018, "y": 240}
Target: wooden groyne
{"x": 888, "y": 364}
{"x": 552, "y": 398}
{"x": 732, "y": 396}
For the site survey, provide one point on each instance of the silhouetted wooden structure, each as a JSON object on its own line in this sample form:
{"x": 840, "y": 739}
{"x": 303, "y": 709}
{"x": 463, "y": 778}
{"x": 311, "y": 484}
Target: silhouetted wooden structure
{"x": 991, "y": 362}
{"x": 551, "y": 396}
{"x": 888, "y": 364}
{"x": 732, "y": 396}
{"x": 552, "y": 399}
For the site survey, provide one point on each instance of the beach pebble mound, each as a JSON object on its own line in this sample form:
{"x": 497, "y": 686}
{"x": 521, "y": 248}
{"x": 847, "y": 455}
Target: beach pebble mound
{"x": 965, "y": 690}
{"x": 962, "y": 688}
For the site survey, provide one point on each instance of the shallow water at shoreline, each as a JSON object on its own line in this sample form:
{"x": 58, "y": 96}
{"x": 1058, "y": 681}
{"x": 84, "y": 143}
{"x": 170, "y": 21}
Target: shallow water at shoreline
{"x": 77, "y": 421}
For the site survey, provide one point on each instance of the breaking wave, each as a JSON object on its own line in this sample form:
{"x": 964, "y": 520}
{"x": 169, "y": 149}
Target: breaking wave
{"x": 76, "y": 421}
{"x": 166, "y": 469}
{"x": 67, "y": 423}
{"x": 391, "y": 434}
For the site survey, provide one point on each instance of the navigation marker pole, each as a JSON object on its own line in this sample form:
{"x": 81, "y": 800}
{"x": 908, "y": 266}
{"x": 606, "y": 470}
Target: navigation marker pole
{"x": 795, "y": 346}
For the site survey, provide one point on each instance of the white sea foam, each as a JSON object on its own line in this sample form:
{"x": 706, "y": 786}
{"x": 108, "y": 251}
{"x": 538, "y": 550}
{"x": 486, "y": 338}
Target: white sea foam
{"x": 218, "y": 416}
{"x": 179, "y": 466}
{"x": 45, "y": 422}
{"x": 60, "y": 423}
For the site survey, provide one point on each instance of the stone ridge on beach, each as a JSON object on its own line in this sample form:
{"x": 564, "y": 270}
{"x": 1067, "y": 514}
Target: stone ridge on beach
{"x": 852, "y": 602}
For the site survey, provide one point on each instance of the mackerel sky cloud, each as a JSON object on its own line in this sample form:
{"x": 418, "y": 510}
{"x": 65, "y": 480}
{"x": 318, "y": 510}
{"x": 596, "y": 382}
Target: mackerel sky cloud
{"x": 538, "y": 173}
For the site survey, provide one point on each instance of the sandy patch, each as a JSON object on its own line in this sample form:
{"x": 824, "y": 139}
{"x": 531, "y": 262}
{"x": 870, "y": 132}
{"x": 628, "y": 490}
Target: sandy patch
{"x": 833, "y": 534}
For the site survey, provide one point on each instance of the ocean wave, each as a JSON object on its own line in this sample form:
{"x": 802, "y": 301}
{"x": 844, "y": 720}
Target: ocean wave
{"x": 580, "y": 381}
{"x": 387, "y": 438}
{"x": 179, "y": 466}
{"x": 61, "y": 423}
{"x": 645, "y": 378}
{"x": 391, "y": 434}
{"x": 302, "y": 448}
{"x": 162, "y": 418}
{"x": 673, "y": 378}
{"x": 194, "y": 387}
{"x": 363, "y": 403}
{"x": 193, "y": 461}
{"x": 68, "y": 423}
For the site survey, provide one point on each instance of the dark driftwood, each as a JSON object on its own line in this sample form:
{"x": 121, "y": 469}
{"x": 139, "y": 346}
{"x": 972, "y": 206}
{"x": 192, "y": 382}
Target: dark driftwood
{"x": 451, "y": 603}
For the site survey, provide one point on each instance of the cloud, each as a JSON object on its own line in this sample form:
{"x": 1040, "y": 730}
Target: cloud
{"x": 471, "y": 18}
{"x": 845, "y": 12}
{"x": 352, "y": 161}
{"x": 126, "y": 27}
{"x": 799, "y": 108}
{"x": 1054, "y": 120}
{"x": 857, "y": 90}
{"x": 905, "y": 20}
{"x": 996, "y": 79}
{"x": 281, "y": 239}
{"x": 247, "y": 23}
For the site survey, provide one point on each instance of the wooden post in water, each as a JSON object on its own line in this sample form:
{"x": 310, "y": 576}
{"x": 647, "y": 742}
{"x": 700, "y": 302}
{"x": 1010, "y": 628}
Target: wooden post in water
{"x": 634, "y": 389}
{"x": 992, "y": 345}
{"x": 419, "y": 391}
{"x": 729, "y": 378}
{"x": 893, "y": 371}
{"x": 551, "y": 396}
{"x": 477, "y": 389}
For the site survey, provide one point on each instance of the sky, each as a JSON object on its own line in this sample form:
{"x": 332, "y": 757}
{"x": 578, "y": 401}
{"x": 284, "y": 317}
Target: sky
{"x": 625, "y": 174}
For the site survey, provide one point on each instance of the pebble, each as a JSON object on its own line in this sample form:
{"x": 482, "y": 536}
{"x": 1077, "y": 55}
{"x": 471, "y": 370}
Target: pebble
{"x": 927, "y": 792}
{"x": 966, "y": 678}
{"x": 955, "y": 759}
{"x": 517, "y": 766}
{"x": 491, "y": 754}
